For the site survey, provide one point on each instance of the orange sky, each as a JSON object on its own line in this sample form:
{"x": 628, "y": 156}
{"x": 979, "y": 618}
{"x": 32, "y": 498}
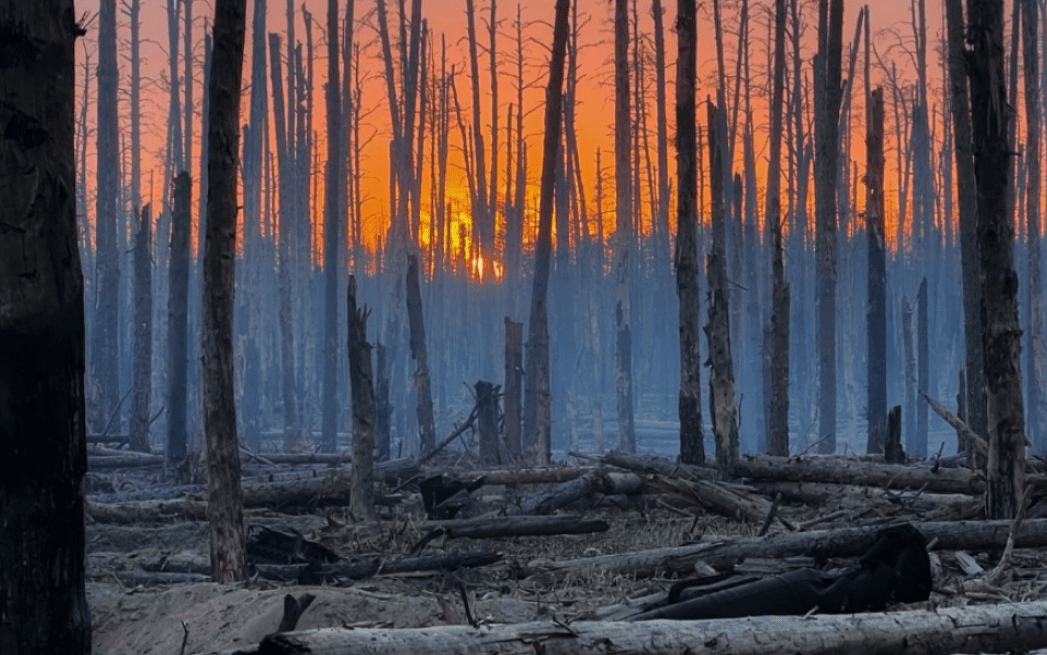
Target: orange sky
{"x": 595, "y": 108}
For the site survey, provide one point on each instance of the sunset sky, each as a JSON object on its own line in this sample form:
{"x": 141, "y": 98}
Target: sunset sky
{"x": 596, "y": 102}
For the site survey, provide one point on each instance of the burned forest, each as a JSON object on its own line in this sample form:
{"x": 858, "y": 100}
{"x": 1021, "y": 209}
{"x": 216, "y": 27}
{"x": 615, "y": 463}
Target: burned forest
{"x": 629, "y": 326}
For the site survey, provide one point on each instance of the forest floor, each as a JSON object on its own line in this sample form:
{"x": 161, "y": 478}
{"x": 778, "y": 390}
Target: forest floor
{"x": 191, "y": 615}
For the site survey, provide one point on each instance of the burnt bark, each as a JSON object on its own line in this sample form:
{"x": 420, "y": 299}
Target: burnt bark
{"x": 513, "y": 370}
{"x": 177, "y": 326}
{"x": 361, "y": 495}
{"x": 143, "y": 333}
{"x": 43, "y": 604}
{"x": 224, "y": 496}
{"x": 420, "y": 353}
{"x": 876, "y": 312}
{"x": 623, "y": 230}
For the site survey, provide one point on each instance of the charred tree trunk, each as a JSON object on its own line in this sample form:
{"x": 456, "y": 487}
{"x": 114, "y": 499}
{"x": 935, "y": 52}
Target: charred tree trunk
{"x": 827, "y": 138}
{"x": 143, "y": 332}
{"x": 104, "y": 352}
{"x": 959, "y": 106}
{"x": 361, "y": 498}
{"x": 488, "y": 423}
{"x": 43, "y": 605}
{"x": 919, "y": 446}
{"x": 623, "y": 231}
{"x": 692, "y": 447}
{"x": 383, "y": 410}
{"x": 778, "y": 357}
{"x": 910, "y": 374}
{"x": 513, "y": 369}
{"x": 177, "y": 326}
{"x": 1001, "y": 335}
{"x": 876, "y": 314}
{"x": 334, "y": 234}
{"x": 537, "y": 416}
{"x": 225, "y": 498}
{"x": 420, "y": 353}
{"x": 718, "y": 329}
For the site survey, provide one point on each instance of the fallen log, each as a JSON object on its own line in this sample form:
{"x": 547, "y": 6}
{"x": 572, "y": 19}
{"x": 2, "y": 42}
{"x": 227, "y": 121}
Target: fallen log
{"x": 714, "y": 496}
{"x": 146, "y": 511}
{"x": 956, "y": 423}
{"x": 515, "y": 526}
{"x": 563, "y": 494}
{"x": 973, "y": 629}
{"x": 546, "y": 475}
{"x": 849, "y": 471}
{"x": 820, "y": 544}
{"x": 127, "y": 460}
{"x": 659, "y": 465}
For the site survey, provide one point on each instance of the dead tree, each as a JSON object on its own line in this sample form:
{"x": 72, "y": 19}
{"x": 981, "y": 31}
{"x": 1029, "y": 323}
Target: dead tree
{"x": 487, "y": 402}
{"x": 623, "y": 230}
{"x": 876, "y": 312}
{"x": 662, "y": 215}
{"x": 537, "y": 417}
{"x": 1001, "y": 335}
{"x": 718, "y": 330}
{"x": 777, "y": 348}
{"x": 177, "y": 326}
{"x": 361, "y": 495}
{"x": 919, "y": 446}
{"x": 225, "y": 498}
{"x": 104, "y": 353}
{"x": 959, "y": 107}
{"x": 143, "y": 332}
{"x": 692, "y": 447}
{"x": 827, "y": 137}
{"x": 334, "y": 234}
{"x": 1037, "y": 355}
{"x": 43, "y": 604}
{"x": 483, "y": 224}
{"x": 420, "y": 354}
{"x": 513, "y": 369}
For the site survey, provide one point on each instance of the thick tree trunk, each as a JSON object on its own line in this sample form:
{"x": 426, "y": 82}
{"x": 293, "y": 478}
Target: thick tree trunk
{"x": 143, "y": 332}
{"x": 778, "y": 357}
{"x": 921, "y": 632}
{"x": 1001, "y": 335}
{"x": 43, "y": 605}
{"x": 623, "y": 230}
{"x": 177, "y": 325}
{"x": 827, "y": 138}
{"x": 537, "y": 418}
{"x": 361, "y": 495}
{"x": 225, "y": 498}
{"x": 876, "y": 312}
{"x": 420, "y": 353}
{"x": 334, "y": 235}
{"x": 692, "y": 447}
{"x": 488, "y": 424}
{"x": 718, "y": 329}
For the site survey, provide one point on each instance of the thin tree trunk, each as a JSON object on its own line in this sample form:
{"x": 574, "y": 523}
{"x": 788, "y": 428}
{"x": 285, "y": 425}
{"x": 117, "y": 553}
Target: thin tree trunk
{"x": 143, "y": 332}
{"x": 662, "y": 222}
{"x": 513, "y": 369}
{"x": 778, "y": 358}
{"x": 537, "y": 417}
{"x": 420, "y": 353}
{"x": 334, "y": 234}
{"x": 959, "y": 106}
{"x": 43, "y": 605}
{"x": 361, "y": 496}
{"x": 910, "y": 375}
{"x": 225, "y": 498}
{"x": 177, "y": 326}
{"x": 876, "y": 313}
{"x": 718, "y": 329}
{"x": 919, "y": 446}
{"x": 623, "y": 230}
{"x": 1001, "y": 335}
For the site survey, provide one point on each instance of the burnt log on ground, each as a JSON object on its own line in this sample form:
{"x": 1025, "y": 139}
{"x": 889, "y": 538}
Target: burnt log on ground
{"x": 360, "y": 568}
{"x": 973, "y": 629}
{"x": 851, "y": 471}
{"x": 516, "y": 526}
{"x": 820, "y": 544}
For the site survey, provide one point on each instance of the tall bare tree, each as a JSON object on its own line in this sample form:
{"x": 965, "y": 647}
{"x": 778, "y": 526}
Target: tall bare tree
{"x": 225, "y": 498}
{"x": 537, "y": 419}
{"x": 364, "y": 409}
{"x": 143, "y": 331}
{"x": 43, "y": 604}
{"x": 178, "y": 326}
{"x": 876, "y": 314}
{"x": 827, "y": 111}
{"x": 1001, "y": 335}
{"x": 623, "y": 230}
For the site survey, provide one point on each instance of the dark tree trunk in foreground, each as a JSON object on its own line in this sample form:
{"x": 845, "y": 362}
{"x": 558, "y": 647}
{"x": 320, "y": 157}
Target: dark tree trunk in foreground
{"x": 225, "y": 498}
{"x": 178, "y": 325}
{"x": 43, "y": 605}
{"x": 361, "y": 499}
{"x": 537, "y": 418}
{"x": 623, "y": 195}
{"x": 876, "y": 313}
{"x": 692, "y": 446}
{"x": 827, "y": 142}
{"x": 778, "y": 357}
{"x": 1001, "y": 335}
{"x": 420, "y": 353}
{"x": 143, "y": 333}
{"x": 334, "y": 234}
{"x": 967, "y": 189}
{"x": 718, "y": 329}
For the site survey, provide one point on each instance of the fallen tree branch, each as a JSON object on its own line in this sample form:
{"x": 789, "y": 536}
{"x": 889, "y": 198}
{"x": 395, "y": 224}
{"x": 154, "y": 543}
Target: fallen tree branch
{"x": 957, "y": 424}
